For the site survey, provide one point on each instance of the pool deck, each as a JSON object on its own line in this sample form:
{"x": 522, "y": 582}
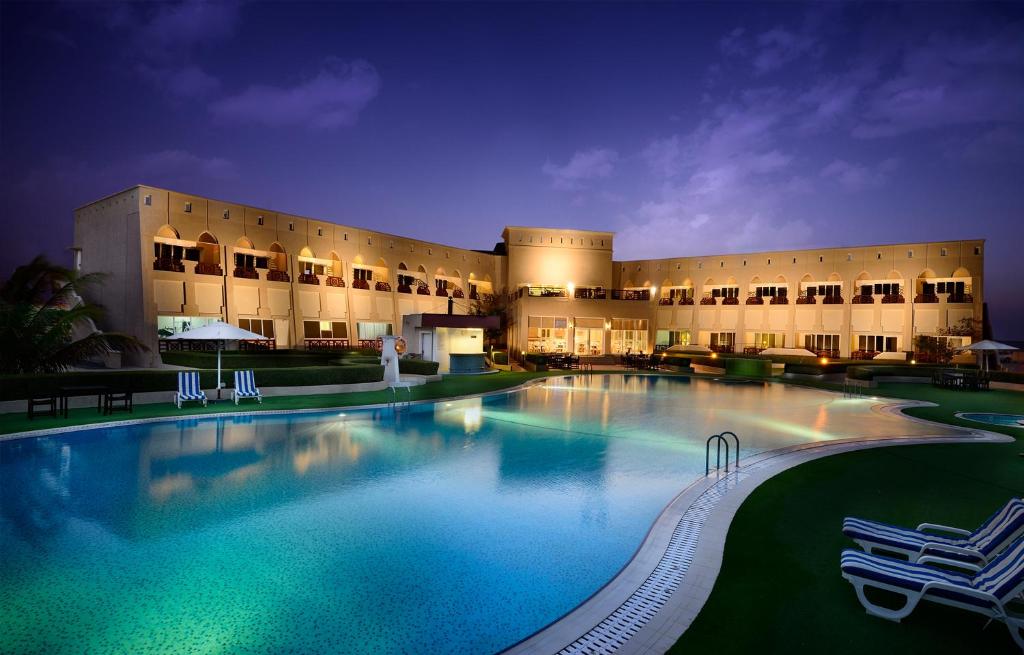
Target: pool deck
{"x": 658, "y": 594}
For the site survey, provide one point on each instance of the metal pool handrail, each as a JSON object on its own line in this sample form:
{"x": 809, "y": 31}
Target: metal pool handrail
{"x": 719, "y": 440}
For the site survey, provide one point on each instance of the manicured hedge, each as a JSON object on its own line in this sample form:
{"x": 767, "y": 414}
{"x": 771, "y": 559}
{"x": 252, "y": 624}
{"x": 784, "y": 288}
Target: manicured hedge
{"x": 761, "y": 368}
{"x": 249, "y": 359}
{"x": 19, "y": 387}
{"x": 870, "y": 372}
{"x": 417, "y": 366}
{"x": 1006, "y": 376}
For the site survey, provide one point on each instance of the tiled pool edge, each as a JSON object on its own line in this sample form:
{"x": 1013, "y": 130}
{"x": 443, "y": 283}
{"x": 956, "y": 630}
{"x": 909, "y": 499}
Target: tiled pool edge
{"x": 658, "y": 594}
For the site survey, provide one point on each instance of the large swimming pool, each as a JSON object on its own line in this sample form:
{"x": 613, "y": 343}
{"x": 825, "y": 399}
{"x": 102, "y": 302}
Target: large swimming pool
{"x": 456, "y": 527}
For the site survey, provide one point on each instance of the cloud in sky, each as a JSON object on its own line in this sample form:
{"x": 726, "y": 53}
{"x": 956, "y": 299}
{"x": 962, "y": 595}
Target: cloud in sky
{"x": 333, "y": 98}
{"x": 858, "y": 177}
{"x": 584, "y": 166}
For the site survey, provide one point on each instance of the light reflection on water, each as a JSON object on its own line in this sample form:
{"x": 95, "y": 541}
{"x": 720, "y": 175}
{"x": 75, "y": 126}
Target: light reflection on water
{"x": 455, "y": 527}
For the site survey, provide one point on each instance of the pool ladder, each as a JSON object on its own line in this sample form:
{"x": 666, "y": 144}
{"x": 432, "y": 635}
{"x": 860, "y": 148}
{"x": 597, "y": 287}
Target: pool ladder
{"x": 719, "y": 440}
{"x": 396, "y": 403}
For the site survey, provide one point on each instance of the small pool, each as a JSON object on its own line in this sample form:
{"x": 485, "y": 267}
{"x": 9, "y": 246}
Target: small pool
{"x": 1005, "y": 420}
{"x": 452, "y": 527}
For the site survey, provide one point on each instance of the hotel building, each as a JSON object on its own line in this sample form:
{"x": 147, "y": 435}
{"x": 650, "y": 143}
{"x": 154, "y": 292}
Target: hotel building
{"x": 174, "y": 259}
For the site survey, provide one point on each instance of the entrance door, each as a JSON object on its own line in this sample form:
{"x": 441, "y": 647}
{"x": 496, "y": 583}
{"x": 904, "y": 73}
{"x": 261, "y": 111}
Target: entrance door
{"x": 427, "y": 345}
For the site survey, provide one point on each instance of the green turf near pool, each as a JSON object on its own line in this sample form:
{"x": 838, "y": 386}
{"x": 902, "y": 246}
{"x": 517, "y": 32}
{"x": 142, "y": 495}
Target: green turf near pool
{"x": 780, "y": 589}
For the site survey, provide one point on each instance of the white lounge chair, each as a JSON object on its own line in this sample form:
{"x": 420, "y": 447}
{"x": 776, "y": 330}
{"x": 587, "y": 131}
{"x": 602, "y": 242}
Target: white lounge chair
{"x": 245, "y": 387}
{"x": 189, "y": 388}
{"x": 987, "y": 592}
{"x": 963, "y": 548}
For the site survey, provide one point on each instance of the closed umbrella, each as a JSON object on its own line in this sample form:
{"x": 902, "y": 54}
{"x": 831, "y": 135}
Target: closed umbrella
{"x": 987, "y": 346}
{"x": 220, "y": 332}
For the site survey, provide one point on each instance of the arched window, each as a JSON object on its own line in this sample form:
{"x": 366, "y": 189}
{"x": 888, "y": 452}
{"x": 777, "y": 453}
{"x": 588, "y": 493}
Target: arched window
{"x": 208, "y": 255}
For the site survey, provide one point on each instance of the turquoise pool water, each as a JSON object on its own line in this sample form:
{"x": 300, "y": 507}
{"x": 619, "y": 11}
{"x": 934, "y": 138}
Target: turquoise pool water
{"x": 456, "y": 527}
{"x": 1007, "y": 420}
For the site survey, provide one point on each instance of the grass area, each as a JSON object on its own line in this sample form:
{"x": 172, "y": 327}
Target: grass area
{"x": 780, "y": 587}
{"x": 454, "y": 385}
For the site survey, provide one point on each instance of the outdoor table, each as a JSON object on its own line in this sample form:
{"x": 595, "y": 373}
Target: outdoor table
{"x": 124, "y": 397}
{"x": 954, "y": 378}
{"x": 73, "y": 391}
{"x": 43, "y": 401}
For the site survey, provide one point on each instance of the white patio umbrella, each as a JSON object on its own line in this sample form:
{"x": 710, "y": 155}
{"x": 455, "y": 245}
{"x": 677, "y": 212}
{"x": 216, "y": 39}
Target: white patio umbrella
{"x": 986, "y": 346}
{"x": 220, "y": 332}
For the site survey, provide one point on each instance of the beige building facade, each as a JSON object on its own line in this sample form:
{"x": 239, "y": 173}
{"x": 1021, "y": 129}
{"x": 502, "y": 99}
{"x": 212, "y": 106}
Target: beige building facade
{"x": 175, "y": 260}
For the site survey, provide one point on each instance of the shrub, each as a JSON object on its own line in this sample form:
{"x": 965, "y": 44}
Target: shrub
{"x": 870, "y": 372}
{"x": 417, "y": 366}
{"x": 1006, "y": 376}
{"x": 249, "y": 359}
{"x": 748, "y": 367}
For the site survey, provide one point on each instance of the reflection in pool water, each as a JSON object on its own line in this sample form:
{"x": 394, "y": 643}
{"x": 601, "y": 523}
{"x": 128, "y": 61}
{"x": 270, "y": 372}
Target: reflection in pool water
{"x": 452, "y": 527}
{"x": 1005, "y": 420}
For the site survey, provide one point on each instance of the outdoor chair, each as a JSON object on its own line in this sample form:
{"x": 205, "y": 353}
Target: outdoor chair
{"x": 988, "y": 592}
{"x": 245, "y": 387}
{"x": 970, "y": 550}
{"x": 189, "y": 389}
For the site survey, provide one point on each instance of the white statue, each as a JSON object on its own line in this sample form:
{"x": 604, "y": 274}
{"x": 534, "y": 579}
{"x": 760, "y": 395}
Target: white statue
{"x": 389, "y": 359}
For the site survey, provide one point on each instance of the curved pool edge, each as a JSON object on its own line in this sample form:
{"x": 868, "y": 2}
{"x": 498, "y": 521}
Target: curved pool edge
{"x": 655, "y": 597}
{"x": 966, "y": 416}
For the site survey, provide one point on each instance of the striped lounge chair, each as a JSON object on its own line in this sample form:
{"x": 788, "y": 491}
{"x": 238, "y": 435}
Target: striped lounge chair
{"x": 988, "y": 592}
{"x": 969, "y": 550}
{"x": 189, "y": 388}
{"x": 245, "y": 387}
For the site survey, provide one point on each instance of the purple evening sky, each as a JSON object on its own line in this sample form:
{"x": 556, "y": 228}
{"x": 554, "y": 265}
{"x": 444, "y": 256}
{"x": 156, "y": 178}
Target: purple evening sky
{"x": 685, "y": 128}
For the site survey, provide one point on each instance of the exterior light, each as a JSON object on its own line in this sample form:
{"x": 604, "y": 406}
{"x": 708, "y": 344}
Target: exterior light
{"x": 714, "y": 355}
{"x": 913, "y": 361}
{"x": 342, "y": 415}
{"x": 654, "y": 289}
{"x": 571, "y": 287}
{"x": 824, "y": 360}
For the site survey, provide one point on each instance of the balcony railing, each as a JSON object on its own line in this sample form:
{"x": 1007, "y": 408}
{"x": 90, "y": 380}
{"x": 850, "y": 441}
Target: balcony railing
{"x": 168, "y": 264}
{"x": 831, "y": 353}
{"x": 590, "y": 293}
{"x": 863, "y": 299}
{"x": 544, "y": 292}
{"x": 752, "y": 350}
{"x": 382, "y": 286}
{"x": 441, "y": 291}
{"x": 893, "y": 299}
{"x": 831, "y": 300}
{"x": 926, "y": 298}
{"x": 721, "y": 348}
{"x": 278, "y": 276}
{"x": 664, "y": 301}
{"x": 209, "y": 269}
{"x": 631, "y": 294}
{"x": 422, "y": 290}
{"x": 257, "y": 344}
{"x": 805, "y": 300}
{"x": 336, "y": 281}
{"x": 458, "y": 293}
{"x": 708, "y": 300}
{"x": 246, "y": 273}
{"x": 755, "y": 300}
{"x": 863, "y": 354}
{"x": 360, "y": 284}
{"x": 960, "y": 298}
{"x": 308, "y": 278}
{"x": 403, "y": 288}
{"x": 326, "y": 344}
{"x": 731, "y": 300}
{"x": 779, "y": 300}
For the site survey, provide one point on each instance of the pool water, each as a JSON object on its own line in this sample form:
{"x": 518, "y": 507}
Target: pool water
{"x": 1006, "y": 420}
{"x": 455, "y": 527}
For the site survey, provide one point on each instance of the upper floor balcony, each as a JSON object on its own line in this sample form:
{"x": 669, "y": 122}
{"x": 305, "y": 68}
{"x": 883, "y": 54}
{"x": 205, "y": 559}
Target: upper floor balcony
{"x": 245, "y": 273}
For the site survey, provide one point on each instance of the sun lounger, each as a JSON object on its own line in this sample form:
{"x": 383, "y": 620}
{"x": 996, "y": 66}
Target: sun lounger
{"x": 189, "y": 389}
{"x": 245, "y": 387}
{"x": 970, "y": 550}
{"x": 988, "y": 592}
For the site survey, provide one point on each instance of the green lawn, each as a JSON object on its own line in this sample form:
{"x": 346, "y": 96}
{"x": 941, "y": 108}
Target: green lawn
{"x": 780, "y": 588}
{"x": 457, "y": 385}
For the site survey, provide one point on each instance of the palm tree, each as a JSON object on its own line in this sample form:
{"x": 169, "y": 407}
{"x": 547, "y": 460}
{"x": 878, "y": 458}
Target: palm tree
{"x": 46, "y": 326}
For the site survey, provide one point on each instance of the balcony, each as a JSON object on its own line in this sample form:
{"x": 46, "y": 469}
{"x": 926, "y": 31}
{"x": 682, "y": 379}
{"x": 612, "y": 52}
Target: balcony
{"x": 245, "y": 273}
{"x": 209, "y": 269}
{"x": 308, "y": 278}
{"x": 825, "y": 352}
{"x": 422, "y": 289}
{"x": 590, "y": 293}
{"x": 805, "y": 300}
{"x": 441, "y": 291}
{"x": 336, "y": 281}
{"x": 664, "y": 301}
{"x": 863, "y": 299}
{"x": 326, "y": 344}
{"x": 631, "y": 294}
{"x": 474, "y": 294}
{"x": 752, "y": 350}
{"x": 863, "y": 354}
{"x": 926, "y": 298}
{"x": 381, "y": 285}
{"x": 779, "y": 300}
{"x": 893, "y": 299}
{"x": 687, "y": 300}
{"x": 403, "y": 288}
{"x": 458, "y": 293}
{"x": 721, "y": 348}
{"x": 708, "y": 300}
{"x": 960, "y": 298}
{"x": 832, "y": 300}
{"x": 361, "y": 284}
{"x": 168, "y": 264}
{"x": 730, "y": 301}
{"x": 754, "y": 300}
{"x": 278, "y": 276}
{"x": 544, "y": 292}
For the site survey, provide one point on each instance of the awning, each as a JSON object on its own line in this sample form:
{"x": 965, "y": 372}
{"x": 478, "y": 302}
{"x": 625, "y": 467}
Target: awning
{"x": 460, "y": 321}
{"x": 250, "y": 251}
{"x": 317, "y": 261}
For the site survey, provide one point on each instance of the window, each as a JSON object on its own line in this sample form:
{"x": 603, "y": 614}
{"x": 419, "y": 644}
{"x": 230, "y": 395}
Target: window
{"x": 828, "y": 290}
{"x": 849, "y": 258}
{"x": 958, "y": 288}
{"x": 667, "y": 338}
{"x": 768, "y": 340}
{"x": 629, "y": 335}
{"x": 345, "y": 237}
{"x": 820, "y": 344}
{"x": 723, "y": 340}
{"x": 880, "y": 289}
{"x": 794, "y": 260}
{"x": 325, "y": 329}
{"x": 369, "y": 241}
{"x": 319, "y": 231}
{"x": 227, "y": 214}
{"x": 725, "y": 292}
{"x": 259, "y": 220}
{"x": 769, "y": 261}
{"x": 977, "y": 250}
{"x": 942, "y": 252}
{"x": 372, "y": 330}
{"x": 910, "y": 254}
{"x": 362, "y": 274}
{"x": 876, "y": 343}
{"x": 291, "y": 227}
{"x": 264, "y": 327}
{"x": 168, "y": 325}
{"x": 770, "y": 291}
{"x": 148, "y": 199}
{"x": 547, "y": 334}
{"x": 588, "y": 336}
{"x": 878, "y": 256}
{"x": 188, "y": 208}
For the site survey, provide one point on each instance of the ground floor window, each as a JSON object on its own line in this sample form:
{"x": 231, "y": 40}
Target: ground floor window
{"x": 821, "y": 342}
{"x": 588, "y": 336}
{"x": 876, "y": 343}
{"x": 371, "y": 330}
{"x": 168, "y": 325}
{"x": 547, "y": 334}
{"x": 723, "y": 341}
{"x": 629, "y": 335}
{"x": 263, "y": 327}
{"x": 767, "y": 339}
{"x": 666, "y": 338}
{"x": 325, "y": 329}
